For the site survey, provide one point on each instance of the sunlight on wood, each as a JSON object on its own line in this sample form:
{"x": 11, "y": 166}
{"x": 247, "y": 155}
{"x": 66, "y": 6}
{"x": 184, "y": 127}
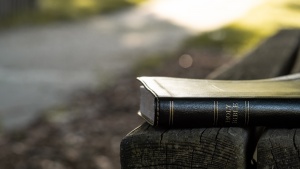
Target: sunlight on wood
{"x": 271, "y": 16}
{"x": 84, "y": 4}
{"x": 244, "y": 34}
{"x": 201, "y": 15}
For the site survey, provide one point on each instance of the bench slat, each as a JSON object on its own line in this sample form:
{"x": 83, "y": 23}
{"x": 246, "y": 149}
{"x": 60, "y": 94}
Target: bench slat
{"x": 280, "y": 147}
{"x": 151, "y": 147}
{"x": 184, "y": 148}
{"x": 274, "y": 57}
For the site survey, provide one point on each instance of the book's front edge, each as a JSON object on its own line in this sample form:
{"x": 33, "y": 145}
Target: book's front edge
{"x": 153, "y": 91}
{"x": 153, "y": 85}
{"x": 148, "y": 120}
{"x": 148, "y": 106}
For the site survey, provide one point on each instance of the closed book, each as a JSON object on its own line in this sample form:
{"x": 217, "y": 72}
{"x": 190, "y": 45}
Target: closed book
{"x": 180, "y": 102}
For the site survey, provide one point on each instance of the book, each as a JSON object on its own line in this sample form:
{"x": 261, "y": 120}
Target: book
{"x": 180, "y": 102}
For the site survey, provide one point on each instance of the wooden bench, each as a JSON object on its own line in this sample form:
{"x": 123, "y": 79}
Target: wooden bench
{"x": 153, "y": 147}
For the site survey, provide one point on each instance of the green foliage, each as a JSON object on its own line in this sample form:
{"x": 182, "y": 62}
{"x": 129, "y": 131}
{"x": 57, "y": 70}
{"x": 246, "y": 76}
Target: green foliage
{"x": 248, "y": 31}
{"x": 229, "y": 39}
{"x": 70, "y": 9}
{"x": 53, "y": 10}
{"x": 146, "y": 65}
{"x": 59, "y": 114}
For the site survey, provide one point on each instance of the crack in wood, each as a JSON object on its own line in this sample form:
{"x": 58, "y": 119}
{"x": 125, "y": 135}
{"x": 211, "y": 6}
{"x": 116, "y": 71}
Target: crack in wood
{"x": 295, "y": 145}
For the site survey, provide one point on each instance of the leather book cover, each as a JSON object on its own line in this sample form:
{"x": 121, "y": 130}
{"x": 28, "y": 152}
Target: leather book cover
{"x": 167, "y": 101}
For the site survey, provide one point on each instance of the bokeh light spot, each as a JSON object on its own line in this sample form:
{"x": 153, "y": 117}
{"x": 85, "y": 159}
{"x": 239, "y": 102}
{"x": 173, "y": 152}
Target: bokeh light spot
{"x": 185, "y": 61}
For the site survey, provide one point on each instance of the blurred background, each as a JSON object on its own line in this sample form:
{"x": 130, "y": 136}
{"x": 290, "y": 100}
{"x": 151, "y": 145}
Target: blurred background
{"x": 68, "y": 92}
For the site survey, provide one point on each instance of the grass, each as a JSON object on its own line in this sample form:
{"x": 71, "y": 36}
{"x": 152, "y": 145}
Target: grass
{"x": 247, "y": 32}
{"x": 71, "y": 9}
{"x": 228, "y": 39}
{"x": 66, "y": 10}
{"x": 239, "y": 37}
{"x": 146, "y": 65}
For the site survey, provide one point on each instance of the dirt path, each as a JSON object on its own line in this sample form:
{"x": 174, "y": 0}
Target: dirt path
{"x": 41, "y": 66}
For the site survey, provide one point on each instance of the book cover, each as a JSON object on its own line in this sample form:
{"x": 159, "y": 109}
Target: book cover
{"x": 180, "y": 102}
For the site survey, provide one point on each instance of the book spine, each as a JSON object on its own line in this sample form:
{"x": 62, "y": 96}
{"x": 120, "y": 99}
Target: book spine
{"x": 228, "y": 112}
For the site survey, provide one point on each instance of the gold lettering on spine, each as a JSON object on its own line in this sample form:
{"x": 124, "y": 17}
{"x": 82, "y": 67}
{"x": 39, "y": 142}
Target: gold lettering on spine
{"x": 228, "y": 113}
{"x": 172, "y": 112}
{"x": 248, "y": 112}
{"x": 171, "y": 115}
{"x": 216, "y": 113}
{"x": 232, "y": 113}
{"x": 235, "y": 113}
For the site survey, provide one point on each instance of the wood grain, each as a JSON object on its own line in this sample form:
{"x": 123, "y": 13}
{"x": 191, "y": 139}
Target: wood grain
{"x": 152, "y": 147}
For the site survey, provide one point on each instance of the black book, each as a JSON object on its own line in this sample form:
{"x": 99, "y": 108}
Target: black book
{"x": 180, "y": 102}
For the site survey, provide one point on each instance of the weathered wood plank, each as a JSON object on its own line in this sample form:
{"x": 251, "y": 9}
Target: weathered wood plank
{"x": 296, "y": 67}
{"x": 150, "y": 147}
{"x": 188, "y": 148}
{"x": 280, "y": 147}
{"x": 274, "y": 57}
